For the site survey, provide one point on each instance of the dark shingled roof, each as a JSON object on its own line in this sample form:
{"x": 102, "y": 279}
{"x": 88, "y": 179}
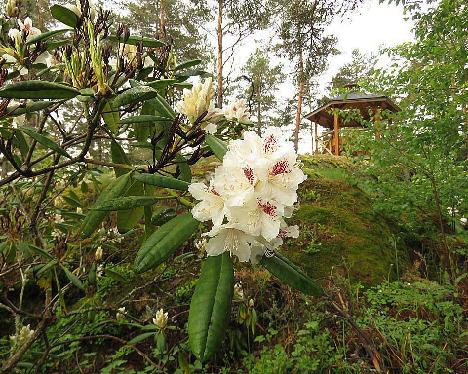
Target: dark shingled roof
{"x": 352, "y": 100}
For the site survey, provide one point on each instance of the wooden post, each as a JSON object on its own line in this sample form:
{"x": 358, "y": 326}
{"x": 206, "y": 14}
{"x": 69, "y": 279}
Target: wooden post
{"x": 377, "y": 125}
{"x": 316, "y": 137}
{"x": 336, "y": 135}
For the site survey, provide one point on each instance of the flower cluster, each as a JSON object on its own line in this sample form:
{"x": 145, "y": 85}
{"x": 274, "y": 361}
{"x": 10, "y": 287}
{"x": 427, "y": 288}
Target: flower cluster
{"x": 197, "y": 105}
{"x": 25, "y": 27}
{"x": 249, "y": 196}
{"x": 161, "y": 319}
{"x": 24, "y": 334}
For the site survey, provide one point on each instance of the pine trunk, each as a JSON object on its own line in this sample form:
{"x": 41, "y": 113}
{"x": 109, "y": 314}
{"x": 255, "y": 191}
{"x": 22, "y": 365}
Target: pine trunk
{"x": 219, "y": 95}
{"x": 259, "y": 112}
{"x": 299, "y": 101}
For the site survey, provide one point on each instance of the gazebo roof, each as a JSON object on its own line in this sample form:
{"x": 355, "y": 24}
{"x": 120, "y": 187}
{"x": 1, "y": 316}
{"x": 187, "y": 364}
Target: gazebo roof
{"x": 352, "y": 100}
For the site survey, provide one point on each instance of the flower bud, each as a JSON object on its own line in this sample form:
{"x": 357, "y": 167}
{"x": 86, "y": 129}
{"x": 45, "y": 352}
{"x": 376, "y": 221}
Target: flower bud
{"x": 121, "y": 312}
{"x": 98, "y": 254}
{"x": 161, "y": 319}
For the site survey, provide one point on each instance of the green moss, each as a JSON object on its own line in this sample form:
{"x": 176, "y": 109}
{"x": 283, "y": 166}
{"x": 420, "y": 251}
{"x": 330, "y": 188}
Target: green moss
{"x": 339, "y": 230}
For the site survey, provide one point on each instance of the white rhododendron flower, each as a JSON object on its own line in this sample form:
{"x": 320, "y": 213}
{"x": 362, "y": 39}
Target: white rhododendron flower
{"x": 237, "y": 111}
{"x": 26, "y": 26}
{"x": 211, "y": 206}
{"x": 14, "y": 34}
{"x": 249, "y": 196}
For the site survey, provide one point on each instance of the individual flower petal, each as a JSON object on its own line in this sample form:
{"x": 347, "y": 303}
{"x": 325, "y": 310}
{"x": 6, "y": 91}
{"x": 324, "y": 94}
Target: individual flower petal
{"x": 211, "y": 206}
{"x": 228, "y": 239}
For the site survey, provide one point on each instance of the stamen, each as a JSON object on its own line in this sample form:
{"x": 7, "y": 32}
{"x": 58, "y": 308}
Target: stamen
{"x": 268, "y": 208}
{"x": 270, "y": 144}
{"x": 280, "y": 167}
{"x": 249, "y": 174}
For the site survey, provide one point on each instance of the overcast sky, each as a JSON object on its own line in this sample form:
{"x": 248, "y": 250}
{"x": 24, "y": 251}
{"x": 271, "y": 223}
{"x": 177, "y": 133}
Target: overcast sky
{"x": 375, "y": 26}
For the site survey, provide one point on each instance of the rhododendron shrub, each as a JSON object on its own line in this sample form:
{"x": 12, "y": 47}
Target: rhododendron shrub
{"x": 89, "y": 98}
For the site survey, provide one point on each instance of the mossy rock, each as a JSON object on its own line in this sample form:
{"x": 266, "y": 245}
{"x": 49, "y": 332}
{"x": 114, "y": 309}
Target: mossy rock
{"x": 340, "y": 232}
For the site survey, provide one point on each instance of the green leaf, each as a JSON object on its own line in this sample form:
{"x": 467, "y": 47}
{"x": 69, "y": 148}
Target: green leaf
{"x": 115, "y": 275}
{"x": 165, "y": 241}
{"x": 164, "y": 108}
{"x": 22, "y": 143}
{"x": 41, "y": 252}
{"x": 46, "y": 35}
{"x": 94, "y": 218}
{"x": 162, "y": 181}
{"x": 111, "y": 117}
{"x": 45, "y": 141}
{"x": 145, "y": 118}
{"x": 185, "y": 172}
{"x": 126, "y": 219}
{"x": 217, "y": 145}
{"x": 210, "y": 306}
{"x": 35, "y": 89}
{"x": 123, "y": 203}
{"x": 287, "y": 272}
{"x": 135, "y": 40}
{"x": 30, "y": 107}
{"x": 134, "y": 95}
{"x": 42, "y": 269}
{"x": 162, "y": 214}
{"x": 188, "y": 64}
{"x": 141, "y": 337}
{"x": 64, "y": 15}
{"x": 161, "y": 83}
{"x": 73, "y": 278}
{"x": 119, "y": 156}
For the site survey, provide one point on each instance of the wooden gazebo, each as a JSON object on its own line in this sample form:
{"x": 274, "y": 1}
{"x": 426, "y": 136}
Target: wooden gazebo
{"x": 327, "y": 117}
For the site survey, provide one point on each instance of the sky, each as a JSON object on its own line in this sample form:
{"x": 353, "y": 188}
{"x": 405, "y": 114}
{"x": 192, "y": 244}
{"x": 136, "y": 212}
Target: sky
{"x": 374, "y": 26}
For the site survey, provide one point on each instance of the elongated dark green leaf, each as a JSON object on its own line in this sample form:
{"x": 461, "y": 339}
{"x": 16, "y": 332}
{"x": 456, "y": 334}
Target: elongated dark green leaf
{"x": 127, "y": 202}
{"x": 64, "y": 15}
{"x": 119, "y": 156}
{"x": 135, "y": 40}
{"x": 73, "y": 278}
{"x": 42, "y": 269}
{"x": 183, "y": 85}
{"x": 45, "y": 35}
{"x": 35, "y": 89}
{"x": 126, "y": 219}
{"x": 141, "y": 337}
{"x": 210, "y": 306}
{"x": 184, "y": 170}
{"x": 41, "y": 252}
{"x": 161, "y": 83}
{"x": 188, "y": 64}
{"x": 115, "y": 275}
{"x": 282, "y": 268}
{"x": 162, "y": 214}
{"x": 30, "y": 107}
{"x": 71, "y": 201}
{"x": 134, "y": 95}
{"x": 162, "y": 181}
{"x": 45, "y": 141}
{"x": 94, "y": 217}
{"x": 145, "y": 118}
{"x": 165, "y": 241}
{"x": 217, "y": 145}
{"x": 22, "y": 143}
{"x": 111, "y": 116}
{"x": 164, "y": 108}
